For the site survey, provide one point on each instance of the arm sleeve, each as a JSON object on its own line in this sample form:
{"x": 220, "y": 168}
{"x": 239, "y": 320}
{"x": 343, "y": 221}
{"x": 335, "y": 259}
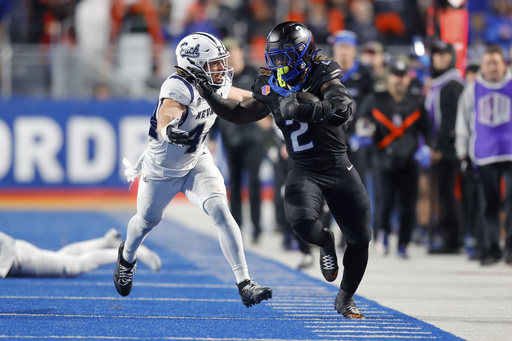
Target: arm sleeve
{"x": 340, "y": 102}
{"x": 247, "y": 111}
{"x": 335, "y": 108}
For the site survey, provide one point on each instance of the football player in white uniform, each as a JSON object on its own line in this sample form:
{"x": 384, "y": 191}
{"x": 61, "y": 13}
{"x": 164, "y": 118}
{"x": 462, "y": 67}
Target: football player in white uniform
{"x": 19, "y": 258}
{"x": 177, "y": 160}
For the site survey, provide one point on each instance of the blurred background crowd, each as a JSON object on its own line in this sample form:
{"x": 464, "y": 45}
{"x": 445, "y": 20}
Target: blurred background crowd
{"x": 124, "y": 49}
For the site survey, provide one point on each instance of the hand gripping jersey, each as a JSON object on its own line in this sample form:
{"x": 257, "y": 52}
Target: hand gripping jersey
{"x": 162, "y": 159}
{"x": 315, "y": 146}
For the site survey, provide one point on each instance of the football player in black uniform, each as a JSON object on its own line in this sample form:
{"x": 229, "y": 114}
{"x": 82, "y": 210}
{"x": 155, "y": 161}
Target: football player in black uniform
{"x": 318, "y": 166}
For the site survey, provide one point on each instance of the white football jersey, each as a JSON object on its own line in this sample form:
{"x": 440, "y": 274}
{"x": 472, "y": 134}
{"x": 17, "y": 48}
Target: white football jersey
{"x": 163, "y": 159}
{"x": 7, "y": 253}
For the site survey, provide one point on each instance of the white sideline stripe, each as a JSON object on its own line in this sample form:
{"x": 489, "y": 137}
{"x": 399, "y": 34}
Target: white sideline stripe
{"x": 391, "y": 337}
{"x": 148, "y": 284}
{"x": 73, "y": 337}
{"x": 374, "y": 332}
{"x": 207, "y": 318}
{"x": 118, "y": 298}
{"x": 358, "y": 322}
{"x": 363, "y": 327}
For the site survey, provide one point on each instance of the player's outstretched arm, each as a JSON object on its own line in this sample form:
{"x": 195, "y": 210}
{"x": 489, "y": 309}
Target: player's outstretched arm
{"x": 239, "y": 107}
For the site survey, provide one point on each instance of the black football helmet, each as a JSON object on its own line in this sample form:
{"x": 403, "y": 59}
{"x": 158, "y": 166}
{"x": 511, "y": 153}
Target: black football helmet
{"x": 289, "y": 51}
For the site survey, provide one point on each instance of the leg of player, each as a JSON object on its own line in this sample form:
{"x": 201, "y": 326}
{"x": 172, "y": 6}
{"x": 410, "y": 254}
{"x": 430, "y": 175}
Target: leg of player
{"x": 303, "y": 204}
{"x": 230, "y": 239}
{"x": 350, "y": 207}
{"x": 205, "y": 188}
{"x": 354, "y": 263}
{"x": 152, "y": 198}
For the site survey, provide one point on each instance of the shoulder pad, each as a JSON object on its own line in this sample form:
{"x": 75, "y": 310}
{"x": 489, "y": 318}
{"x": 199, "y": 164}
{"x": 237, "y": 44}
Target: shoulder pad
{"x": 177, "y": 88}
{"x": 259, "y": 83}
{"x": 322, "y": 72}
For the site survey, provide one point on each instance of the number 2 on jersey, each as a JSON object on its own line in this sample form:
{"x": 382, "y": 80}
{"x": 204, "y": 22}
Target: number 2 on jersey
{"x": 294, "y": 136}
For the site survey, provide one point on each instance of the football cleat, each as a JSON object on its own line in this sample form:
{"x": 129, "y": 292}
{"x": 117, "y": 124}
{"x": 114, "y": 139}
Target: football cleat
{"x": 328, "y": 258}
{"x": 123, "y": 275}
{"x": 252, "y": 293}
{"x": 345, "y": 305}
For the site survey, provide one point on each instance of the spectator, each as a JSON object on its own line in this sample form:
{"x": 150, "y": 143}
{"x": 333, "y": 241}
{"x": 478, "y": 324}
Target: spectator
{"x": 483, "y": 138}
{"x": 389, "y": 21}
{"x": 357, "y": 79}
{"x": 316, "y": 20}
{"x": 498, "y": 29}
{"x": 5, "y": 11}
{"x": 261, "y": 22}
{"x": 446, "y": 87}
{"x": 147, "y": 9}
{"x": 472, "y": 194}
{"x": 472, "y": 71}
{"x": 398, "y": 117}
{"x": 373, "y": 56}
{"x": 361, "y": 20}
{"x": 244, "y": 145}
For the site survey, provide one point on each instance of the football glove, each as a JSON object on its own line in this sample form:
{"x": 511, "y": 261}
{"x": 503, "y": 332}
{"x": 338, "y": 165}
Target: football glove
{"x": 288, "y": 106}
{"x": 199, "y": 79}
{"x": 173, "y": 135}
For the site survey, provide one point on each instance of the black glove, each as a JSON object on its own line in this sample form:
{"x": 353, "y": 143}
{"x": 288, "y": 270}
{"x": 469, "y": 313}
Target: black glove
{"x": 177, "y": 136}
{"x": 200, "y": 79}
{"x": 289, "y": 105}
{"x": 202, "y": 82}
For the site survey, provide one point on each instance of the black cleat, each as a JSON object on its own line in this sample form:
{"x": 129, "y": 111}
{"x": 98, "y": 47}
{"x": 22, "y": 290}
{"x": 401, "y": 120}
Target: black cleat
{"x": 345, "y": 305}
{"x": 123, "y": 275}
{"x": 328, "y": 259}
{"x": 252, "y": 293}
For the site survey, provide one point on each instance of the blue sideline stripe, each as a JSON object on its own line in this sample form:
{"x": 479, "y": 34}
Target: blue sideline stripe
{"x": 193, "y": 297}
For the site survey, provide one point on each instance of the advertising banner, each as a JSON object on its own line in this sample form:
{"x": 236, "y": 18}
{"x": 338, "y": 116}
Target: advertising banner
{"x": 70, "y": 144}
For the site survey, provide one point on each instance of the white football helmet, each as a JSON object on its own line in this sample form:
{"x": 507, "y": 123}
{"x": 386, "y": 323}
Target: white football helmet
{"x": 198, "y": 50}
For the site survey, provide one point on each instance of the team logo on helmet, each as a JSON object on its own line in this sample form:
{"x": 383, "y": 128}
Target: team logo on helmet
{"x": 189, "y": 51}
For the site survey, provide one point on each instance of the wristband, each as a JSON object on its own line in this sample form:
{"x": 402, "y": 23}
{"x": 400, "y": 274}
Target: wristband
{"x": 163, "y": 132}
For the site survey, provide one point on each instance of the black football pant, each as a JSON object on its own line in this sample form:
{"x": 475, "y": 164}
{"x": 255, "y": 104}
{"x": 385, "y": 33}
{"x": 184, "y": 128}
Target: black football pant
{"x": 348, "y": 202}
{"x": 279, "y": 183}
{"x": 444, "y": 174}
{"x": 245, "y": 158}
{"x": 390, "y": 184}
{"x": 490, "y": 176}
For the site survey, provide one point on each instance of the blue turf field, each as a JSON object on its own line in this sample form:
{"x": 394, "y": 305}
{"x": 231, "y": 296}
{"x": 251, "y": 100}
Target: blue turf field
{"x": 194, "y": 297}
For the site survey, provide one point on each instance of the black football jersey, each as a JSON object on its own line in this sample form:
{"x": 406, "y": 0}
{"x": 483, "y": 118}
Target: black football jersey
{"x": 315, "y": 146}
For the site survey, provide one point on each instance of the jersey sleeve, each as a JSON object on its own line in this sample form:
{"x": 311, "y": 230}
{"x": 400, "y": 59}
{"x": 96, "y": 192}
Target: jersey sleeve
{"x": 178, "y": 89}
{"x": 262, "y": 92}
